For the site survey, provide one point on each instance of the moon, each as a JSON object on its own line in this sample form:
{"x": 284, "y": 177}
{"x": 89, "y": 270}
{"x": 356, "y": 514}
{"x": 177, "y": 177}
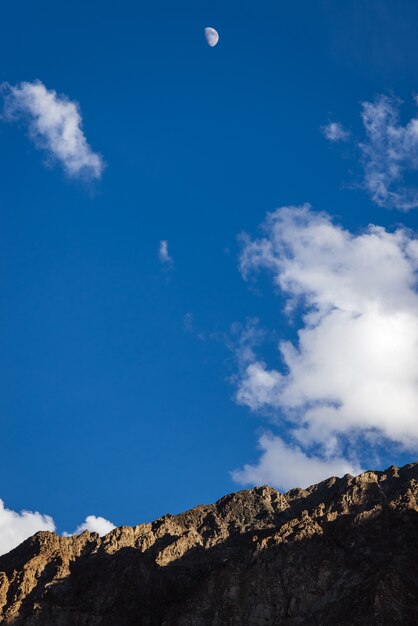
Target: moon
{"x": 211, "y": 36}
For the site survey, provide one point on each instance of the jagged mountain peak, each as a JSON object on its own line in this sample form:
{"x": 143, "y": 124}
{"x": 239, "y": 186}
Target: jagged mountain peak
{"x": 343, "y": 551}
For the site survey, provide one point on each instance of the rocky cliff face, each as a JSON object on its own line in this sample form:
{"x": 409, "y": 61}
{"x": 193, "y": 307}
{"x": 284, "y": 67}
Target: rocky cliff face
{"x": 344, "y": 551}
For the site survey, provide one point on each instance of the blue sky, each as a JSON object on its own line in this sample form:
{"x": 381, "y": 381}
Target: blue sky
{"x": 120, "y": 372}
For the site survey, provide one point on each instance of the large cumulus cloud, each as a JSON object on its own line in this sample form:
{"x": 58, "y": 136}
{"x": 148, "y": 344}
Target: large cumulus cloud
{"x": 352, "y": 371}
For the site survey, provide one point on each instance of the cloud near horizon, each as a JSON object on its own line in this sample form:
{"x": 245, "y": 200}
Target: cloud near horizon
{"x": 17, "y": 527}
{"x": 55, "y": 126}
{"x": 287, "y": 466}
{"x": 94, "y": 524}
{"x": 351, "y": 374}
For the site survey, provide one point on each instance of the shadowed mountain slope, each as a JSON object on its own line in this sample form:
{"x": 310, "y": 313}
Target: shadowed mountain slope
{"x": 344, "y": 551}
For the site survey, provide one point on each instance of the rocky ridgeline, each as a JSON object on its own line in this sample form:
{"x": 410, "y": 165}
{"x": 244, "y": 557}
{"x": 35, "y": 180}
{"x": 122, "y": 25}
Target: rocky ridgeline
{"x": 344, "y": 551}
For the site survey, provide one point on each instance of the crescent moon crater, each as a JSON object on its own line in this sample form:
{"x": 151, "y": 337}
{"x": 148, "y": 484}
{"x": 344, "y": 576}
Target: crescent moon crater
{"x": 211, "y": 36}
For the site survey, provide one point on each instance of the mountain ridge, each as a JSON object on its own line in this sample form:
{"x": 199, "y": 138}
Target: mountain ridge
{"x": 343, "y": 551}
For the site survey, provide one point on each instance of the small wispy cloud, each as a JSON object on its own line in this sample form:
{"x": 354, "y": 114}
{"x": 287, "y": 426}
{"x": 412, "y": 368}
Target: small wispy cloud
{"x": 334, "y": 131}
{"x": 164, "y": 256}
{"x": 242, "y": 341}
{"x": 188, "y": 322}
{"x": 55, "y": 126}
{"x": 389, "y": 151}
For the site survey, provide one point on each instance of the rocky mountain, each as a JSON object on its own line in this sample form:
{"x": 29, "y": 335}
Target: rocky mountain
{"x": 344, "y": 551}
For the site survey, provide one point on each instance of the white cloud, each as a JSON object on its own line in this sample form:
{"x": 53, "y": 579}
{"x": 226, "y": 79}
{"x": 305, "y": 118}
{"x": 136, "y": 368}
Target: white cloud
{"x": 16, "y": 527}
{"x": 285, "y": 466}
{"x": 163, "y": 255}
{"x": 95, "y": 525}
{"x": 334, "y": 131}
{"x": 389, "y": 151}
{"x": 55, "y": 125}
{"x": 188, "y": 322}
{"x": 352, "y": 372}
{"x": 243, "y": 340}
{"x": 258, "y": 386}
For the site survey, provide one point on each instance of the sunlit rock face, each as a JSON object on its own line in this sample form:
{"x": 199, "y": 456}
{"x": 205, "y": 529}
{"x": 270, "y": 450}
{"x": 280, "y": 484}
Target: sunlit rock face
{"x": 344, "y": 551}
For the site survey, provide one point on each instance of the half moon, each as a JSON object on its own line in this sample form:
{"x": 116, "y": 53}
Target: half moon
{"x": 211, "y": 36}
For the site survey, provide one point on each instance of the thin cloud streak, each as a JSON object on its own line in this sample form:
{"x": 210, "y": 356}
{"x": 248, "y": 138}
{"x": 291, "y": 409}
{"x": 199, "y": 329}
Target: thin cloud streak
{"x": 164, "y": 256}
{"x": 388, "y": 153}
{"x": 55, "y": 126}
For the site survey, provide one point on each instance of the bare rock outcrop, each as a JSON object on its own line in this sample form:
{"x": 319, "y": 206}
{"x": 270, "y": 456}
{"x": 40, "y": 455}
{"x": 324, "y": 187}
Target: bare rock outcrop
{"x": 344, "y": 551}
